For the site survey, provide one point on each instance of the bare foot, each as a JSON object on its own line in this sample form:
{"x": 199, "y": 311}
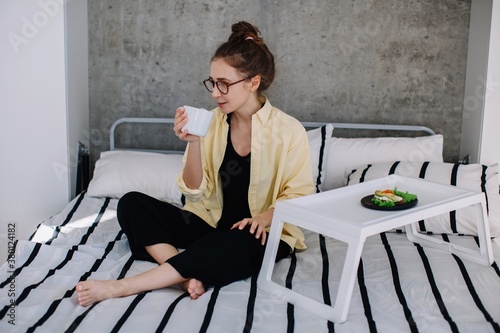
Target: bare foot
{"x": 93, "y": 291}
{"x": 194, "y": 288}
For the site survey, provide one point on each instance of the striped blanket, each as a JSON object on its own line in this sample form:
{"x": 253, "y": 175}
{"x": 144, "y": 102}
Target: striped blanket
{"x": 401, "y": 286}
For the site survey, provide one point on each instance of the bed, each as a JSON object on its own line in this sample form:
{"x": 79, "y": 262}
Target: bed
{"x": 401, "y": 286}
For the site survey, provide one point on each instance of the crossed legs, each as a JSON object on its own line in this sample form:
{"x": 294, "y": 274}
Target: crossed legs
{"x": 133, "y": 209}
{"x": 92, "y": 291}
{"x": 161, "y": 253}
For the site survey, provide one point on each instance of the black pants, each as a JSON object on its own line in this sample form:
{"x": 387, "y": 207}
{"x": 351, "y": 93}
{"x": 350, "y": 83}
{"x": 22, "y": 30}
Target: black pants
{"x": 215, "y": 256}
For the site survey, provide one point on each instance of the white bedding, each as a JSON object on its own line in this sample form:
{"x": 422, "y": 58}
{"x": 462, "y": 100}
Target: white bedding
{"x": 401, "y": 287}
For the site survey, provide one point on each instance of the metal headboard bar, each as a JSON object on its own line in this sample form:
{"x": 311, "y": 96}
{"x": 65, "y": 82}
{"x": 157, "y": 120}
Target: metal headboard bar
{"x": 306, "y": 124}
{"x": 410, "y": 128}
{"x": 134, "y": 120}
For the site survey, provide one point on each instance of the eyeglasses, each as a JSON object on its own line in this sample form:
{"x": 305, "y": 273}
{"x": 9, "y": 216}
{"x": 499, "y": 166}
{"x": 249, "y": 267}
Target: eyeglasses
{"x": 221, "y": 85}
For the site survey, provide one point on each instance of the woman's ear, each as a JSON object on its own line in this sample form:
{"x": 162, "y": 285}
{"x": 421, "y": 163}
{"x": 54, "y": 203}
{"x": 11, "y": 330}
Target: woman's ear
{"x": 255, "y": 82}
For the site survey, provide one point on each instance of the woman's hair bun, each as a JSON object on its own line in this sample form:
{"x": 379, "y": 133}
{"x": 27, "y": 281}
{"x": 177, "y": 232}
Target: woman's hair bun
{"x": 246, "y": 51}
{"x": 245, "y": 31}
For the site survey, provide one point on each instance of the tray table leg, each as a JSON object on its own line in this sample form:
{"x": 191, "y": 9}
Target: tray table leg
{"x": 337, "y": 312}
{"x": 484, "y": 255}
{"x": 347, "y": 280}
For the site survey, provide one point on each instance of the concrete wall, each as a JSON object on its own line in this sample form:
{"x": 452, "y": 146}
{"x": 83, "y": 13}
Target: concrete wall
{"x": 372, "y": 61}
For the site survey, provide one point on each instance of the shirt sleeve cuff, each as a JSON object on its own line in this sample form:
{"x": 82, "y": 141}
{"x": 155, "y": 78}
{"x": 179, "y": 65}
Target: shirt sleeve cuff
{"x": 193, "y": 195}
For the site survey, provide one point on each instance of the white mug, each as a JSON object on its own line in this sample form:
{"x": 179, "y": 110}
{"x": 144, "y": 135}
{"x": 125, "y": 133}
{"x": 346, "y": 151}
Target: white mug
{"x": 198, "y": 120}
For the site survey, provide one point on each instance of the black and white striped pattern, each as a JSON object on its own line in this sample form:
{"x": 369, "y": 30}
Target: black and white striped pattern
{"x": 401, "y": 286}
{"x": 318, "y": 180}
{"x": 319, "y": 140}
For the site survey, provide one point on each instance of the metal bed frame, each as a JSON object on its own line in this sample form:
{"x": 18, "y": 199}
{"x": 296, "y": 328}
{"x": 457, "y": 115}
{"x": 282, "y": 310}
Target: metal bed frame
{"x": 306, "y": 124}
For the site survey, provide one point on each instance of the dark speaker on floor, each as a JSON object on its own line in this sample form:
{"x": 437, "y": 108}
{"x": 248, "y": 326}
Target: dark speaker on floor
{"x": 83, "y": 169}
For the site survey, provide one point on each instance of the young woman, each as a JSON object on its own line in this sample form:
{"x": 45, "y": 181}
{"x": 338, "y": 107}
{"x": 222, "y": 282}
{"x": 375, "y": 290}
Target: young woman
{"x": 252, "y": 156}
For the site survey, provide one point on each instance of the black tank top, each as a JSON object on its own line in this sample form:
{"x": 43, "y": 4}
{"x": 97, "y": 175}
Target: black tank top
{"x": 234, "y": 173}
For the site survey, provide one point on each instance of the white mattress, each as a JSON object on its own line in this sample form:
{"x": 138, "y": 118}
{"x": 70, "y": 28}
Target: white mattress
{"x": 401, "y": 286}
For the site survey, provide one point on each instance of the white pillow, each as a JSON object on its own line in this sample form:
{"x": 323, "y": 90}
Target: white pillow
{"x": 474, "y": 177}
{"x": 118, "y": 172}
{"x": 319, "y": 142}
{"x": 346, "y": 154}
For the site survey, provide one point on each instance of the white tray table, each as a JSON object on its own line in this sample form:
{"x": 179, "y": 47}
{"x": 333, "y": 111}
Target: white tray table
{"x": 339, "y": 214}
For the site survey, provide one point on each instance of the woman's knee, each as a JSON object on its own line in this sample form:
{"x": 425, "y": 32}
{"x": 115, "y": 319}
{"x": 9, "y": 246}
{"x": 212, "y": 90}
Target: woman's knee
{"x": 128, "y": 203}
{"x": 130, "y": 199}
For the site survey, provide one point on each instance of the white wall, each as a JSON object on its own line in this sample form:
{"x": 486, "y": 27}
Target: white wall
{"x": 490, "y": 147}
{"x": 77, "y": 59}
{"x": 34, "y": 137}
{"x": 481, "y": 118}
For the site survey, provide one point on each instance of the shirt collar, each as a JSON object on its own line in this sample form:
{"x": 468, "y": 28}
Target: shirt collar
{"x": 263, "y": 114}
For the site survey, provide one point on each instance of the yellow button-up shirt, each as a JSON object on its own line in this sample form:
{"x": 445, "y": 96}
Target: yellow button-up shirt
{"x": 280, "y": 168}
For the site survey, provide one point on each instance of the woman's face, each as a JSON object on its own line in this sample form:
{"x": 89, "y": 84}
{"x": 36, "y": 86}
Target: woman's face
{"x": 238, "y": 95}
